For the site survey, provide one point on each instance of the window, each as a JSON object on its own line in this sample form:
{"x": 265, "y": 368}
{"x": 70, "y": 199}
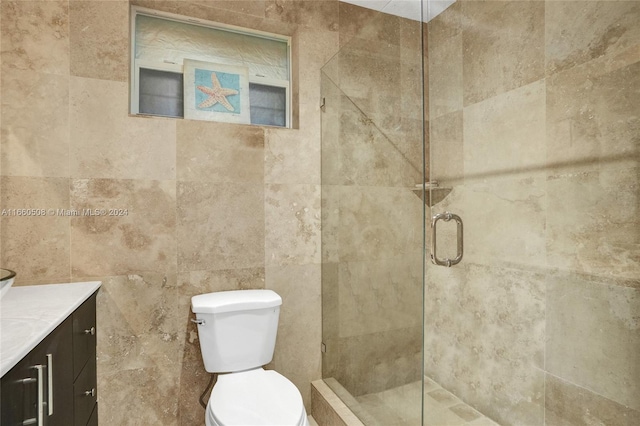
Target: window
{"x": 180, "y": 65}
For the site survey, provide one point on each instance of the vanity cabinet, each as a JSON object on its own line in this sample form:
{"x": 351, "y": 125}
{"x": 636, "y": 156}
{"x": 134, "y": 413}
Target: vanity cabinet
{"x": 55, "y": 383}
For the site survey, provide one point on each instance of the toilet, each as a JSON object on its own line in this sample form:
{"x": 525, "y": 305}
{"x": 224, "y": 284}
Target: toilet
{"x": 237, "y": 331}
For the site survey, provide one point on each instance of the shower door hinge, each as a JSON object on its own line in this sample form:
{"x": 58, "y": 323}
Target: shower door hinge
{"x": 322, "y": 104}
{"x": 323, "y": 348}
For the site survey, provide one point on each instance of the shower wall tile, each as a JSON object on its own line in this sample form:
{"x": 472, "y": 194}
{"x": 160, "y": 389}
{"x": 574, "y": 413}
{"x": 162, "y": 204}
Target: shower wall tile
{"x": 503, "y": 46}
{"x": 218, "y": 152}
{"x": 138, "y": 316}
{"x": 511, "y": 225}
{"x": 568, "y": 404}
{"x": 374, "y": 362}
{"x": 141, "y": 237}
{"x": 592, "y": 119}
{"x": 385, "y": 46}
{"x": 410, "y": 41}
{"x": 442, "y": 305}
{"x": 389, "y": 92}
{"x": 317, "y": 14}
{"x": 37, "y": 247}
{"x": 35, "y": 125}
{"x": 352, "y": 20}
{"x": 330, "y": 220}
{"x": 578, "y": 31}
{"x": 505, "y": 135}
{"x": 411, "y": 107}
{"x": 99, "y": 37}
{"x": 447, "y": 149}
{"x": 292, "y": 224}
{"x": 310, "y": 121}
{"x": 106, "y": 142}
{"x": 315, "y": 48}
{"x": 35, "y": 36}
{"x": 220, "y": 226}
{"x": 485, "y": 338}
{"x": 291, "y": 157}
{"x": 330, "y": 300}
{"x": 300, "y": 324}
{"x": 380, "y": 161}
{"x": 378, "y": 223}
{"x": 382, "y": 73}
{"x": 330, "y": 147}
{"x": 381, "y": 28}
{"x": 592, "y": 222}
{"x": 592, "y": 336}
{"x": 380, "y": 296}
{"x": 445, "y": 62}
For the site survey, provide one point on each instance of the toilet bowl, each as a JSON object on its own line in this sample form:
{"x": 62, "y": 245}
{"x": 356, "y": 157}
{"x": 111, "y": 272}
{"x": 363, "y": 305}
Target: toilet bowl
{"x": 237, "y": 331}
{"x": 255, "y": 398}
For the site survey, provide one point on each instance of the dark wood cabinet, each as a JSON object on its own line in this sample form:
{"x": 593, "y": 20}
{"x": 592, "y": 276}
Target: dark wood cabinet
{"x": 55, "y": 384}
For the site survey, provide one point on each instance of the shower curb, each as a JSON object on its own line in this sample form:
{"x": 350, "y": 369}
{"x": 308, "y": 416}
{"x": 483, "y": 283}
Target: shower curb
{"x": 328, "y": 409}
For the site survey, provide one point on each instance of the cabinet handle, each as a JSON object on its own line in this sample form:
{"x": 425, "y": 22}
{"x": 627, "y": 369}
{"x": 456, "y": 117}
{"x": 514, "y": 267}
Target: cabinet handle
{"x": 50, "y": 383}
{"x": 29, "y": 380}
{"x": 91, "y": 392}
{"x": 91, "y": 331}
{"x": 40, "y": 394}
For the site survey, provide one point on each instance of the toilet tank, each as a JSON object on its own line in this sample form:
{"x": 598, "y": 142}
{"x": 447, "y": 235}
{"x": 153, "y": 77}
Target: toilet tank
{"x": 237, "y": 329}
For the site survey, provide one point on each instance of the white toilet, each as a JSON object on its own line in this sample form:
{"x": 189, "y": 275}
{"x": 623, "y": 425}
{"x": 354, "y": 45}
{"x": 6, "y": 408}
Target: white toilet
{"x": 237, "y": 331}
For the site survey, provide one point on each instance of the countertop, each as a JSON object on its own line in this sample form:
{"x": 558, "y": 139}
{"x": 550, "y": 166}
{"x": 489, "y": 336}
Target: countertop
{"x": 28, "y": 314}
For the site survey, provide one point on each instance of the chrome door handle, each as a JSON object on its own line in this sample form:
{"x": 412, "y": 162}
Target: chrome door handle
{"x": 446, "y": 216}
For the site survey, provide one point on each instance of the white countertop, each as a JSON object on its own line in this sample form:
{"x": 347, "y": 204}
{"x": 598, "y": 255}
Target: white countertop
{"x": 28, "y": 314}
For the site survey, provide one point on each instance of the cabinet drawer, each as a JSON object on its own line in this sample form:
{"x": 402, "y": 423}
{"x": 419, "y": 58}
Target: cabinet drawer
{"x": 84, "y": 335}
{"x": 85, "y": 395}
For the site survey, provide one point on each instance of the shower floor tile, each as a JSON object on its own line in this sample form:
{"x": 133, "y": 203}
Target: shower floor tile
{"x": 400, "y": 407}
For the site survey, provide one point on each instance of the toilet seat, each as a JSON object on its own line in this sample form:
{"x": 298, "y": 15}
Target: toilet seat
{"x": 255, "y": 398}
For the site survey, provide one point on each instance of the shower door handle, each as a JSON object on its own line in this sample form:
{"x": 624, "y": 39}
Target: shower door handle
{"x": 446, "y": 216}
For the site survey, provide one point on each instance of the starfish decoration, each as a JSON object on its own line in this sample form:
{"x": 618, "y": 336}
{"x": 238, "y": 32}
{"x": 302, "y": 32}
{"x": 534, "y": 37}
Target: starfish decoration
{"x": 217, "y": 94}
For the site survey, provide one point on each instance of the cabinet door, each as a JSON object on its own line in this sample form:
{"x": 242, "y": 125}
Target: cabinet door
{"x": 18, "y": 394}
{"x": 26, "y": 390}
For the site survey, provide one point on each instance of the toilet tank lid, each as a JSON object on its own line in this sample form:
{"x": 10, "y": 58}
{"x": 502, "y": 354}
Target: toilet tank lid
{"x": 234, "y": 300}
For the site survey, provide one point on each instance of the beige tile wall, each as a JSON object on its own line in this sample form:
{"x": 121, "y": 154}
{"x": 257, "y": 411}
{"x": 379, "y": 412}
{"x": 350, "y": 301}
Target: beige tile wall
{"x": 210, "y": 206}
{"x": 534, "y": 124}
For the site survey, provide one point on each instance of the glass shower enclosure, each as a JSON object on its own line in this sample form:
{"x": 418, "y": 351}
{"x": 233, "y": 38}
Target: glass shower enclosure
{"x": 509, "y": 133}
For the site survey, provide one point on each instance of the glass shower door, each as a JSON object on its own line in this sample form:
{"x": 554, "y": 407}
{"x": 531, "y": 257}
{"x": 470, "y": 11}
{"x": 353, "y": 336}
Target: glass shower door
{"x": 373, "y": 217}
{"x": 534, "y": 139}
